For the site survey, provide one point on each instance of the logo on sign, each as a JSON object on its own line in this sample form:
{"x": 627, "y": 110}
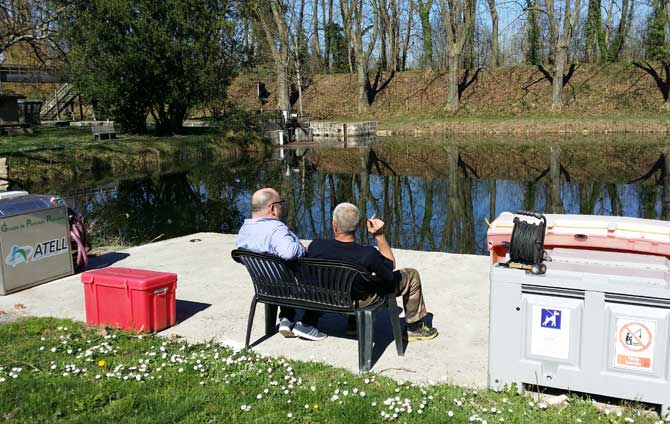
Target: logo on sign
{"x": 49, "y": 248}
{"x": 19, "y": 255}
{"x": 551, "y": 318}
{"x": 42, "y": 250}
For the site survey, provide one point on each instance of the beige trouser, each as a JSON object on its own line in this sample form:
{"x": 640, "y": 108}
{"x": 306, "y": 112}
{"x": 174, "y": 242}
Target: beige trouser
{"x": 409, "y": 288}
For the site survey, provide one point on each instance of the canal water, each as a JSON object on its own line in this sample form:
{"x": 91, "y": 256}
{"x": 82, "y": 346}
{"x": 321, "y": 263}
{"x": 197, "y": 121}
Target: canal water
{"x": 435, "y": 197}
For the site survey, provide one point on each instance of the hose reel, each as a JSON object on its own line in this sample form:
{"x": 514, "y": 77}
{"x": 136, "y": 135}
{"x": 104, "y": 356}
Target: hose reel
{"x": 526, "y": 247}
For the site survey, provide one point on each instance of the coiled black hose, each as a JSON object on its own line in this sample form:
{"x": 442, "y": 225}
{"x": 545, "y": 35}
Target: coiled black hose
{"x": 527, "y": 242}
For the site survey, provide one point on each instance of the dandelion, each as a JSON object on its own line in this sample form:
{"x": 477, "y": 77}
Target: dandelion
{"x": 315, "y": 406}
{"x": 102, "y": 363}
{"x": 259, "y": 396}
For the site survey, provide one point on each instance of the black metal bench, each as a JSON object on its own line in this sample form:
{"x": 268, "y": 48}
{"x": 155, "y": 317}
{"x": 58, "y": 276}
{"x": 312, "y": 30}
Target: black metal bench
{"x": 318, "y": 285}
{"x": 102, "y": 132}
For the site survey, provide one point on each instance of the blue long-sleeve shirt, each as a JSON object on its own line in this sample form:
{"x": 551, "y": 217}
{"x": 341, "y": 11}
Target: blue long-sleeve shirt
{"x": 269, "y": 235}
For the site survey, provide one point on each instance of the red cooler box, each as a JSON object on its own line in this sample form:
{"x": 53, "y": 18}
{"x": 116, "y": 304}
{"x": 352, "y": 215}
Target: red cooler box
{"x": 133, "y": 299}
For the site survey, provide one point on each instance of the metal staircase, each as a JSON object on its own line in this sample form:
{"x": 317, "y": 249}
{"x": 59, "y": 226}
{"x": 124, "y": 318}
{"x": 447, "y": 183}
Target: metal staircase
{"x": 59, "y": 102}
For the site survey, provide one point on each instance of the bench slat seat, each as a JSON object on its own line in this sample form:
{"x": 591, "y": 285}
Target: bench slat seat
{"x": 319, "y": 285}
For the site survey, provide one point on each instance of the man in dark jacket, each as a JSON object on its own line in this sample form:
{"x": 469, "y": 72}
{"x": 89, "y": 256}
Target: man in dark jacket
{"x": 404, "y": 282}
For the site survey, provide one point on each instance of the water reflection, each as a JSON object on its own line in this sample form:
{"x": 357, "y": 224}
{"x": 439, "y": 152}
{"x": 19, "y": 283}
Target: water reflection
{"x": 441, "y": 207}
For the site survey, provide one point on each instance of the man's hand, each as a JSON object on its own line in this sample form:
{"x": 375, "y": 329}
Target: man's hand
{"x": 375, "y": 226}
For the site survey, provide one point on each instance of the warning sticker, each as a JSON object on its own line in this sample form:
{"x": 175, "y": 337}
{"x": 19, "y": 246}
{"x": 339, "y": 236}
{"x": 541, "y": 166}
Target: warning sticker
{"x": 634, "y": 344}
{"x": 550, "y": 332}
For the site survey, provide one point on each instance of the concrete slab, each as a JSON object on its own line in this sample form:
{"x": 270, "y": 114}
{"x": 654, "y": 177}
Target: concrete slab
{"x": 214, "y": 292}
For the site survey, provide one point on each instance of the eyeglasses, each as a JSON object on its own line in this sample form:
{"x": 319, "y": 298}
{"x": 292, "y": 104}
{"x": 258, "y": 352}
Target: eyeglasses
{"x": 282, "y": 202}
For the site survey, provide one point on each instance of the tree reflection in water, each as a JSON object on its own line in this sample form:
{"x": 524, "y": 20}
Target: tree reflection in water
{"x": 441, "y": 208}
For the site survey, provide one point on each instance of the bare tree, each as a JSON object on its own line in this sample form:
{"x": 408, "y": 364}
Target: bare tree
{"x": 458, "y": 21}
{"x": 560, "y": 41}
{"x": 271, "y": 16}
{"x": 316, "y": 43}
{"x": 408, "y": 34}
{"x": 31, "y": 22}
{"x": 495, "y": 49}
{"x": 354, "y": 11}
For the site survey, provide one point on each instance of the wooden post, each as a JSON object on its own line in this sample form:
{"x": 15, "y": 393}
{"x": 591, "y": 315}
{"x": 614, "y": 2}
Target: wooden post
{"x": 344, "y": 132}
{"x": 81, "y": 109}
{"x": 57, "y": 106}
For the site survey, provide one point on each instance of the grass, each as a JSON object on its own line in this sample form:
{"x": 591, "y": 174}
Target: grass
{"x": 58, "y": 370}
{"x": 72, "y": 138}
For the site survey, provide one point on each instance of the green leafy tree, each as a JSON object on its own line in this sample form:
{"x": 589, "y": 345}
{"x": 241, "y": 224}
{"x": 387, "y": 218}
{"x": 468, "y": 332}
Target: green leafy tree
{"x": 134, "y": 58}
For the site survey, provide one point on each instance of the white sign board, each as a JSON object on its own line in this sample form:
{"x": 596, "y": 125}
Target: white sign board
{"x": 550, "y": 332}
{"x": 634, "y": 344}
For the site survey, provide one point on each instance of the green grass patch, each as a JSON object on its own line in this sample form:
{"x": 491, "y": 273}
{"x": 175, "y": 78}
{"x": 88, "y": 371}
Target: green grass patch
{"x": 59, "y": 370}
{"x": 81, "y": 139}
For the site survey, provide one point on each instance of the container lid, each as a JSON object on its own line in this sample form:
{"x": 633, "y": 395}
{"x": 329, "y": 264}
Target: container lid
{"x": 20, "y": 204}
{"x": 12, "y": 194}
{"x": 136, "y": 279}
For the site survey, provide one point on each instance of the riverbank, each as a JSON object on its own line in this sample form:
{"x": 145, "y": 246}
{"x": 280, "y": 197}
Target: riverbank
{"x": 598, "y": 99}
{"x": 527, "y": 125}
{"x": 52, "y": 156}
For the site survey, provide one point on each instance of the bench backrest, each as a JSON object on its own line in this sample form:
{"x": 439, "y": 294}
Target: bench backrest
{"x": 103, "y": 129}
{"x": 305, "y": 282}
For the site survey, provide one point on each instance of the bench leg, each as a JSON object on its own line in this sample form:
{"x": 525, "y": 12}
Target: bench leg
{"x": 270, "y": 319}
{"x": 365, "y": 324}
{"x": 394, "y": 315}
{"x": 250, "y": 322}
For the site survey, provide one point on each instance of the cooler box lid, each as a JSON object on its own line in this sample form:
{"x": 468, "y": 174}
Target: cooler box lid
{"x": 135, "y": 279}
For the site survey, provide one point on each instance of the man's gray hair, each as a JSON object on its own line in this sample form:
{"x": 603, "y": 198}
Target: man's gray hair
{"x": 347, "y": 217}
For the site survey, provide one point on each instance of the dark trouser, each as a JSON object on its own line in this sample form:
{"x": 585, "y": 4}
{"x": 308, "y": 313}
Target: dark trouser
{"x": 308, "y": 318}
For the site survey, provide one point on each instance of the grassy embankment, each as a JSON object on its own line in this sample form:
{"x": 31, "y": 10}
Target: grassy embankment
{"x": 63, "y": 154}
{"x": 60, "y": 371}
{"x": 513, "y": 100}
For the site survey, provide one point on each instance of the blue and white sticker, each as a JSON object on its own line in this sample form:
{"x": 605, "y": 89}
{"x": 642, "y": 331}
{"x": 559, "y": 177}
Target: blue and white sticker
{"x": 551, "y": 318}
{"x": 550, "y": 332}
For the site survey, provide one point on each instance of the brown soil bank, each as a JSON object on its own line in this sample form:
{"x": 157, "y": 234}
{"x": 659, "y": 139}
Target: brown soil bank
{"x": 613, "y": 98}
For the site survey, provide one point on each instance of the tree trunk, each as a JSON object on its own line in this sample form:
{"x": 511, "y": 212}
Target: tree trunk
{"x": 452, "y": 81}
{"x": 557, "y": 84}
{"x": 424, "y": 15}
{"x": 405, "y": 46}
{"x": 593, "y": 29}
{"x": 362, "y": 79}
{"x": 316, "y": 43}
{"x": 283, "y": 86}
{"x": 495, "y": 49}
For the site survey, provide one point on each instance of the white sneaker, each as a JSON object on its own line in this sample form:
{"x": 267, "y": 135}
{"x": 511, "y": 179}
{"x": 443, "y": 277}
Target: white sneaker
{"x": 308, "y": 332}
{"x": 285, "y": 325}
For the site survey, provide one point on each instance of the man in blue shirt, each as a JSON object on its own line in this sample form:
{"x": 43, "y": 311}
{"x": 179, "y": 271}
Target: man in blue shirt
{"x": 266, "y": 233}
